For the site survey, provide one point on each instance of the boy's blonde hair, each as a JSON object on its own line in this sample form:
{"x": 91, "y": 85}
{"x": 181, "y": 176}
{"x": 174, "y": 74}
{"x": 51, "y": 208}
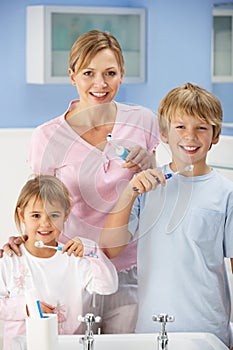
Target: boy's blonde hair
{"x": 45, "y": 188}
{"x": 89, "y": 44}
{"x": 190, "y": 100}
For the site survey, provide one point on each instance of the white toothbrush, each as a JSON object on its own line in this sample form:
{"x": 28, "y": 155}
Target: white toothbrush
{"x": 187, "y": 168}
{"x": 40, "y": 244}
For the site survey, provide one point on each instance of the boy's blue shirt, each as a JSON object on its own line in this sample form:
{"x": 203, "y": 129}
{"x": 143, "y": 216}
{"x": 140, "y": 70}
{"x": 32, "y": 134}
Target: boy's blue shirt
{"x": 185, "y": 230}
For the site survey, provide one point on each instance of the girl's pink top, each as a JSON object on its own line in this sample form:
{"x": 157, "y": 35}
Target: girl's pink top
{"x": 94, "y": 178}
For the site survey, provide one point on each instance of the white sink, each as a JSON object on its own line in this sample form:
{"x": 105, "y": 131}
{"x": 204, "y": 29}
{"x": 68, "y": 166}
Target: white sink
{"x": 177, "y": 341}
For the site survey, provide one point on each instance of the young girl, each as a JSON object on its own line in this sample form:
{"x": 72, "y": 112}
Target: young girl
{"x": 42, "y": 208}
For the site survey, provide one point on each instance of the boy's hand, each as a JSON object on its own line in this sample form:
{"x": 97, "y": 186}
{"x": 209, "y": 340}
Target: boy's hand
{"x": 147, "y": 180}
{"x": 12, "y": 247}
{"x": 74, "y": 246}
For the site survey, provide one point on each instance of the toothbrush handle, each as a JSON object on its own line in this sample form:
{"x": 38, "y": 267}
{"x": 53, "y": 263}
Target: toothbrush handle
{"x": 168, "y": 176}
{"x": 122, "y": 152}
{"x": 59, "y": 247}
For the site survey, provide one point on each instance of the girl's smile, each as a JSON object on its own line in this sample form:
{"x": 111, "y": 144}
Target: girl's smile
{"x": 42, "y": 222}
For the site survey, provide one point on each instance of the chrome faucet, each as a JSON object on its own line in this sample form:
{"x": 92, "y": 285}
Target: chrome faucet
{"x": 162, "y": 338}
{"x": 88, "y": 339}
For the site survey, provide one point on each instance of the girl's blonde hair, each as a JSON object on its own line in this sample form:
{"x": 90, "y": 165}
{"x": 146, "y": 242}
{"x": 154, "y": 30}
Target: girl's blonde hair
{"x": 45, "y": 188}
{"x": 89, "y": 44}
{"x": 190, "y": 100}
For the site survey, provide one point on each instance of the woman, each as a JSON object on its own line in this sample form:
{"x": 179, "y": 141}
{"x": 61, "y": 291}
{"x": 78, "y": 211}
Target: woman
{"x": 73, "y": 147}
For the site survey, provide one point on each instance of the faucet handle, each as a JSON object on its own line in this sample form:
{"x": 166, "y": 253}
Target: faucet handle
{"x": 163, "y": 337}
{"x": 89, "y": 318}
{"x": 163, "y": 318}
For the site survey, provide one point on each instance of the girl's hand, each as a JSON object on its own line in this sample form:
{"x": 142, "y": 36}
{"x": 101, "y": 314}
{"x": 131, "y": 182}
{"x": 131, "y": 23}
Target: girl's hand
{"x": 12, "y": 247}
{"x": 138, "y": 159}
{"x": 47, "y": 308}
{"x": 74, "y": 246}
{"x": 147, "y": 180}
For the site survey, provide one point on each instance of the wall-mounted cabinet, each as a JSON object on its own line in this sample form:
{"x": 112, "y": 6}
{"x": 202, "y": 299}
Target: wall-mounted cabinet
{"x": 51, "y": 31}
{"x": 222, "y": 46}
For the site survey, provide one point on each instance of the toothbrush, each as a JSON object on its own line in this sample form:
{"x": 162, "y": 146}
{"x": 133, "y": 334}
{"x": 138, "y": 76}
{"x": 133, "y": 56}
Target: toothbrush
{"x": 40, "y": 244}
{"x": 33, "y": 304}
{"x": 39, "y": 308}
{"x": 120, "y": 150}
{"x": 187, "y": 168}
{"x": 169, "y": 175}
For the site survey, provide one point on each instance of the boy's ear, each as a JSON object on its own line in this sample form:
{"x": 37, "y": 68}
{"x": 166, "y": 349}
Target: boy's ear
{"x": 163, "y": 137}
{"x": 214, "y": 141}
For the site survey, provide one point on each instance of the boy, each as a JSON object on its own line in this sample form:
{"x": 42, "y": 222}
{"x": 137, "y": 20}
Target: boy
{"x": 185, "y": 226}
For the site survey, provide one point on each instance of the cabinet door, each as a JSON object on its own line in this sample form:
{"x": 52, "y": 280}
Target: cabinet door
{"x": 51, "y": 31}
{"x": 222, "y": 48}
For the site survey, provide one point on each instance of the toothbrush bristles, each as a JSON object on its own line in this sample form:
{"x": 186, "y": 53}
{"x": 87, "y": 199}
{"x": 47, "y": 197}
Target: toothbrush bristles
{"x": 189, "y": 167}
{"x": 39, "y": 244}
{"x": 108, "y": 137}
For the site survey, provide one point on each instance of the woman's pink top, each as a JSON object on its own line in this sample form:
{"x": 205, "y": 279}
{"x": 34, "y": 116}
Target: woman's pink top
{"x": 94, "y": 178}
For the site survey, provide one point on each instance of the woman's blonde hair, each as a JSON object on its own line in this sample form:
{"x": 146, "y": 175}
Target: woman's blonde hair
{"x": 190, "y": 100}
{"x": 89, "y": 44}
{"x": 45, "y": 188}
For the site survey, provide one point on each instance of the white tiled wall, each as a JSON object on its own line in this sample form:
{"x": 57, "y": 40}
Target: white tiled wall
{"x": 15, "y": 171}
{"x": 14, "y": 145}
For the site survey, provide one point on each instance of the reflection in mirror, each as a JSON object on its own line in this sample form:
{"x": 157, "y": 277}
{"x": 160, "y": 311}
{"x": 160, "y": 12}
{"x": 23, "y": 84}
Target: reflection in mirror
{"x": 222, "y": 61}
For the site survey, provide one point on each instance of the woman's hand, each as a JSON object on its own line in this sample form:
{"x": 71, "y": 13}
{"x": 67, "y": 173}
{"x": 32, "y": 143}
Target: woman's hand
{"x": 147, "y": 180}
{"x": 139, "y": 159}
{"x": 12, "y": 247}
{"x": 74, "y": 246}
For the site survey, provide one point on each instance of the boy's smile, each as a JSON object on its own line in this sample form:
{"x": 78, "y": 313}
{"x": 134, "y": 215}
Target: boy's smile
{"x": 190, "y": 139}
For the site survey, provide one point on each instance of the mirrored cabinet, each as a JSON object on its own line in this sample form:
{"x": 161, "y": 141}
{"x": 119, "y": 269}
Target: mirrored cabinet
{"x": 222, "y": 46}
{"x": 51, "y": 31}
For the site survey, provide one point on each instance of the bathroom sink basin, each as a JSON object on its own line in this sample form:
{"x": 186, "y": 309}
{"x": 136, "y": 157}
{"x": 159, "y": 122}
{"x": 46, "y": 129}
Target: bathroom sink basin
{"x": 177, "y": 341}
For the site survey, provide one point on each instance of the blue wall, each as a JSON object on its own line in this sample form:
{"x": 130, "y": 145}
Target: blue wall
{"x": 178, "y": 50}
